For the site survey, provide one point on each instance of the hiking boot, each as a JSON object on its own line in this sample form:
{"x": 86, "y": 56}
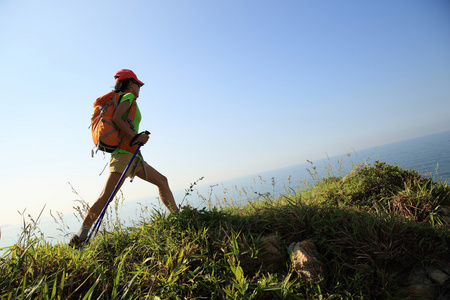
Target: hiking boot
{"x": 75, "y": 242}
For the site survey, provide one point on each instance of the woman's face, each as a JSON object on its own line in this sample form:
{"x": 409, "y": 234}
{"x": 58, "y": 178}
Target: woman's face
{"x": 135, "y": 88}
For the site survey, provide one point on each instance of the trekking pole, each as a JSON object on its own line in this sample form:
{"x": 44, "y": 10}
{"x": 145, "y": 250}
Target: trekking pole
{"x": 116, "y": 188}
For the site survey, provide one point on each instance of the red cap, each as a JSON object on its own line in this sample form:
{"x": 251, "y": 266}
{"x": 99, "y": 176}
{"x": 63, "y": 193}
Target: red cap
{"x": 125, "y": 73}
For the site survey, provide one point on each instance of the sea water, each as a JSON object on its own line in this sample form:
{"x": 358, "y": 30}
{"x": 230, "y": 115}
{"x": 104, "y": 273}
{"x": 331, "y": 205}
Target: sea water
{"x": 429, "y": 155}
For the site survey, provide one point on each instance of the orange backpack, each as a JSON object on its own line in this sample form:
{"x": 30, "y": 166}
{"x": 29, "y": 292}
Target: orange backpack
{"x": 105, "y": 134}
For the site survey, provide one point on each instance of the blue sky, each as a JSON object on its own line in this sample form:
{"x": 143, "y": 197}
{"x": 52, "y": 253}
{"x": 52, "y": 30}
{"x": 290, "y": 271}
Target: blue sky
{"x": 232, "y": 87}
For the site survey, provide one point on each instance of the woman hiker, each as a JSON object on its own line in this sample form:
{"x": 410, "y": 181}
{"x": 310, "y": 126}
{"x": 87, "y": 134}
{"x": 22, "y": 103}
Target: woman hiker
{"x": 128, "y": 85}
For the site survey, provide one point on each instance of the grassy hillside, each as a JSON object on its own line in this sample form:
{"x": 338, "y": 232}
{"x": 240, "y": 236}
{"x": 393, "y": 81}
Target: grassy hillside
{"x": 373, "y": 229}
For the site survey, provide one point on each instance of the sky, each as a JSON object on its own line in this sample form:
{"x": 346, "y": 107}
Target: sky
{"x": 232, "y": 88}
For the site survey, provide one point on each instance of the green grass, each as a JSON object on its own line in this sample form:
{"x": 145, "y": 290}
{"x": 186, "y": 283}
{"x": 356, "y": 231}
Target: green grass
{"x": 371, "y": 229}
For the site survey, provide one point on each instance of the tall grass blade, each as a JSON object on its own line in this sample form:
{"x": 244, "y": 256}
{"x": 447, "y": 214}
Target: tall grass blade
{"x": 117, "y": 278}
{"x": 55, "y": 287}
{"x": 129, "y": 288}
{"x": 89, "y": 293}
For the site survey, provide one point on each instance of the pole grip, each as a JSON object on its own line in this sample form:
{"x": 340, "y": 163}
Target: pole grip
{"x": 133, "y": 140}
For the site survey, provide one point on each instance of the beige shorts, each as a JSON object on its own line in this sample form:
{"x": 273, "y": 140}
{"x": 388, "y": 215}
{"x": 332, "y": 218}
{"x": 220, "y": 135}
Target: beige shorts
{"x": 119, "y": 163}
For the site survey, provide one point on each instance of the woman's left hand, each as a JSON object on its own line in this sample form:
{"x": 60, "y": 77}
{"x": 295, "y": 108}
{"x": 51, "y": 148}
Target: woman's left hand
{"x": 142, "y": 138}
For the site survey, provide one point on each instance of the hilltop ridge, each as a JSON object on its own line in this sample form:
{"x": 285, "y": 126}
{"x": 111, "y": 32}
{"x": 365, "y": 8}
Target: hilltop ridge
{"x": 380, "y": 232}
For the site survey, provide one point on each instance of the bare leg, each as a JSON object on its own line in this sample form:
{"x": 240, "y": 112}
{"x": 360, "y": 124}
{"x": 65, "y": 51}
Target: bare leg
{"x": 100, "y": 203}
{"x": 162, "y": 183}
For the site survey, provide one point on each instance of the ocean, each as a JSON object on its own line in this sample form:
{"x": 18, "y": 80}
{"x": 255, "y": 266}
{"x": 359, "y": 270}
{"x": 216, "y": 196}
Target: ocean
{"x": 429, "y": 155}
